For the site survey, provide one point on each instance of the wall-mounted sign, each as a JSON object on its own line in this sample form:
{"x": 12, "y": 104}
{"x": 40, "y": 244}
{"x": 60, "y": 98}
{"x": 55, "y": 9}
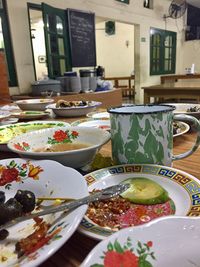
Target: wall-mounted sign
{"x": 123, "y": 1}
{"x": 82, "y": 38}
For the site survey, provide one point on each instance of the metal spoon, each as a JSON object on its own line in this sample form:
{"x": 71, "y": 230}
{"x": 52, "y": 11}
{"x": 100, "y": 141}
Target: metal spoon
{"x": 106, "y": 193}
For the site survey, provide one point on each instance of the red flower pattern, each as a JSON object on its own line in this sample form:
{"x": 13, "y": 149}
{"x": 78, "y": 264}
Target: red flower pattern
{"x": 118, "y": 255}
{"x": 25, "y": 144}
{"x": 112, "y": 259}
{"x": 60, "y": 135}
{"x": 149, "y": 244}
{"x": 18, "y": 147}
{"x": 129, "y": 259}
{"x": 74, "y": 133}
{"x": 125, "y": 259}
{"x": 8, "y": 176}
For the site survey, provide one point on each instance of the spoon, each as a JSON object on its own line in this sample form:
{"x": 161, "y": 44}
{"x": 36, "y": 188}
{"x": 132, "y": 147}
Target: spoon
{"x": 106, "y": 193}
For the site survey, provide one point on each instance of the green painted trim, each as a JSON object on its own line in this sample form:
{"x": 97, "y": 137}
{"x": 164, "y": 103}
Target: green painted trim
{"x": 35, "y": 7}
{"x": 8, "y": 46}
{"x": 54, "y": 70}
{"x": 161, "y": 57}
{"x": 123, "y": 1}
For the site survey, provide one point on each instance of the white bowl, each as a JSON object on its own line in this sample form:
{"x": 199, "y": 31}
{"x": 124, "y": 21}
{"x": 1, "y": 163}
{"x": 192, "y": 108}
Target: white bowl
{"x": 74, "y": 111}
{"x": 4, "y": 114}
{"x": 26, "y": 144}
{"x": 45, "y": 179}
{"x": 34, "y": 104}
{"x": 169, "y": 241}
{"x": 181, "y": 108}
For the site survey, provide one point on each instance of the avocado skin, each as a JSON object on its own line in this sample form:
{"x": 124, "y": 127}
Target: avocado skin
{"x": 160, "y": 197}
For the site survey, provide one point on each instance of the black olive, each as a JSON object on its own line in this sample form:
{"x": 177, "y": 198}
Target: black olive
{"x": 3, "y": 234}
{"x": 2, "y": 197}
{"x": 26, "y": 199}
{"x": 10, "y": 210}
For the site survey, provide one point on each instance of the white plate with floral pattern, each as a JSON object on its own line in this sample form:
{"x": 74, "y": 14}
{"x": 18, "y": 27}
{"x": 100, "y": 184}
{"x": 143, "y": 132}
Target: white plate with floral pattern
{"x": 44, "y": 178}
{"x": 164, "y": 242}
{"x": 183, "y": 190}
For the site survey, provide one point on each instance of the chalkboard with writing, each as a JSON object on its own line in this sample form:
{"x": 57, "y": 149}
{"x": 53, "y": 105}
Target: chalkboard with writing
{"x": 82, "y": 38}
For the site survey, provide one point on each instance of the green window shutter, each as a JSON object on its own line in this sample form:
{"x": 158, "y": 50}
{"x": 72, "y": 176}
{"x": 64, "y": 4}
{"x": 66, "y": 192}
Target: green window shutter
{"x": 162, "y": 52}
{"x": 8, "y": 46}
{"x": 57, "y": 41}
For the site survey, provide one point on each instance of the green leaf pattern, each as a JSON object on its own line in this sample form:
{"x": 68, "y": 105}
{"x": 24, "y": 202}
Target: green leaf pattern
{"x": 143, "y": 138}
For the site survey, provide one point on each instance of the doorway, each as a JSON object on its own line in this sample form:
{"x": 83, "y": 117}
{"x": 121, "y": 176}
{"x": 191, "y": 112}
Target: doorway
{"x": 50, "y": 43}
{"x": 115, "y": 51}
{"x": 38, "y": 42}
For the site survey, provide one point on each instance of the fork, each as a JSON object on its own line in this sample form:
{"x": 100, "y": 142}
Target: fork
{"x": 106, "y": 193}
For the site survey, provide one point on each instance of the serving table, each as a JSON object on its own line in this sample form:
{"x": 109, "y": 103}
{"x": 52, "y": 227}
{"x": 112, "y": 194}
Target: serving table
{"x": 177, "y": 90}
{"x": 75, "y": 250}
{"x": 108, "y": 98}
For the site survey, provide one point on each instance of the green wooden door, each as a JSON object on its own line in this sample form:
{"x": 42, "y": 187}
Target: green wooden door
{"x": 57, "y": 41}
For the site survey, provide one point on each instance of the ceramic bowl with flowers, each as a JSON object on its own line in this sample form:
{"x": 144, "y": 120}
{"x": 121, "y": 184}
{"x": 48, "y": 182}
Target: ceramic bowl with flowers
{"x": 71, "y": 146}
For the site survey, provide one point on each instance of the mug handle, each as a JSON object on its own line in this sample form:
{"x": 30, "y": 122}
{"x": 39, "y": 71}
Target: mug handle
{"x": 183, "y": 117}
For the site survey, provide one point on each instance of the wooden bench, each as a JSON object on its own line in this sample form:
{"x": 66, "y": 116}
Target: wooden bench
{"x": 127, "y": 90}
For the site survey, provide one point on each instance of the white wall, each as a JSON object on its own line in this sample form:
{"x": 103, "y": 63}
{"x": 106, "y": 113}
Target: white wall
{"x": 191, "y": 54}
{"x": 39, "y": 49}
{"x": 134, "y": 13}
{"x": 113, "y": 53}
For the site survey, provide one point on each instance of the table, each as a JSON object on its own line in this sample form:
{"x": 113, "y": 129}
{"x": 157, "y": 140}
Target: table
{"x": 109, "y": 98}
{"x": 176, "y": 77}
{"x": 177, "y": 90}
{"x": 75, "y": 250}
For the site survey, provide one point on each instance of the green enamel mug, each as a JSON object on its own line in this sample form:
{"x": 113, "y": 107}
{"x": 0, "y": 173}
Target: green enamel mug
{"x": 143, "y": 134}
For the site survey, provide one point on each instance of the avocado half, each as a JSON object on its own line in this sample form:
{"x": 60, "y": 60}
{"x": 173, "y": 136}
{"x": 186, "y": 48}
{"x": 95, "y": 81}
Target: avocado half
{"x": 144, "y": 191}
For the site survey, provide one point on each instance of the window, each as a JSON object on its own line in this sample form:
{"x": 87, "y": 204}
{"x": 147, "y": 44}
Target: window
{"x": 5, "y": 44}
{"x": 162, "y": 52}
{"x": 148, "y": 4}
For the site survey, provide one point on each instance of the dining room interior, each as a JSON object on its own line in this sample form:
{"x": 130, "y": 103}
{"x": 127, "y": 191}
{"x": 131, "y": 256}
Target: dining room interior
{"x": 99, "y": 133}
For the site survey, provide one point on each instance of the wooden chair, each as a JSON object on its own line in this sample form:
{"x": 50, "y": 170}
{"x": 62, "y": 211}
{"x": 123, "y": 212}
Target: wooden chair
{"x": 127, "y": 90}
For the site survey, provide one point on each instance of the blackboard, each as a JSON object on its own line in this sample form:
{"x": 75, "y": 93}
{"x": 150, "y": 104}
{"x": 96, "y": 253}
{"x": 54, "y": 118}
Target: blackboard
{"x": 81, "y": 27}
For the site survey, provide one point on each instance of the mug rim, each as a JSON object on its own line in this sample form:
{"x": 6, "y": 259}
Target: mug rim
{"x": 113, "y": 109}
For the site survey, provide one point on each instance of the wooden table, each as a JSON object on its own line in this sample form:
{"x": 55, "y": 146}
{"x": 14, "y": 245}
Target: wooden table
{"x": 176, "y": 77}
{"x": 75, "y": 250}
{"x": 177, "y": 90}
{"x": 109, "y": 98}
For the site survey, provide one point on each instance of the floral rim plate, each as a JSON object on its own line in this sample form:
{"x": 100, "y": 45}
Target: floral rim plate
{"x": 9, "y": 131}
{"x": 30, "y": 114}
{"x": 182, "y": 187}
{"x": 40, "y": 177}
{"x": 103, "y": 124}
{"x": 182, "y": 128}
{"x": 169, "y": 241}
